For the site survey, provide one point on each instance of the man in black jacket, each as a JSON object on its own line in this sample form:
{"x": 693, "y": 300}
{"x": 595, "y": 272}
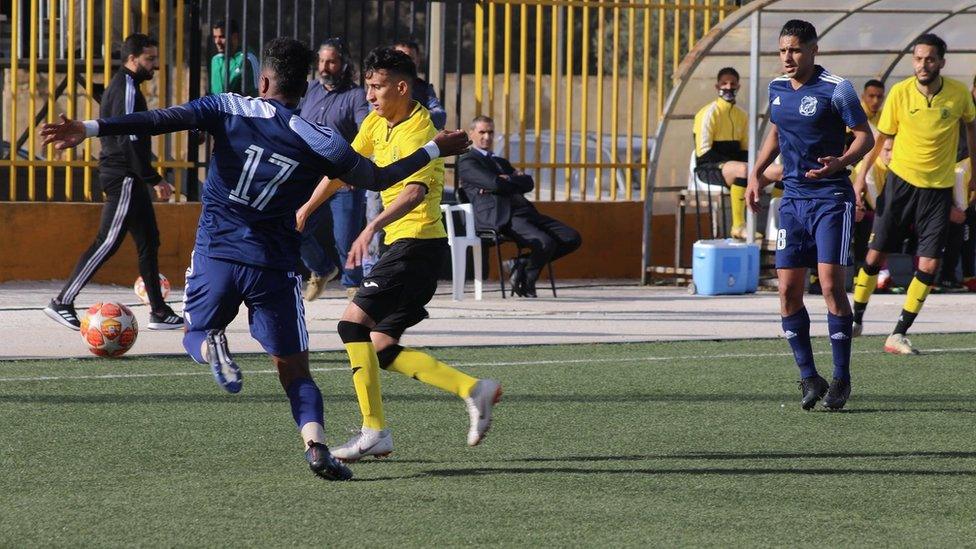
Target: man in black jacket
{"x": 496, "y": 190}
{"x": 125, "y": 173}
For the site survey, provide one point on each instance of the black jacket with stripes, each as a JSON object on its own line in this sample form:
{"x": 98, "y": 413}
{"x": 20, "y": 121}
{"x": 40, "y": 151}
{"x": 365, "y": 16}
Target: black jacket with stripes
{"x": 125, "y": 155}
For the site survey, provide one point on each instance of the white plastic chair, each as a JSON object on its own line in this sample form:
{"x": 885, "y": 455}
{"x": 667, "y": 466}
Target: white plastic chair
{"x": 772, "y": 222}
{"x": 459, "y": 246}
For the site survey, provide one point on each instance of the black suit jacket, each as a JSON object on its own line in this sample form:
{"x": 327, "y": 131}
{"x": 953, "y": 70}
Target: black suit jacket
{"x": 494, "y": 199}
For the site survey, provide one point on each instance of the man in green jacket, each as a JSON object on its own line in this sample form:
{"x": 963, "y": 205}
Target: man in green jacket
{"x": 238, "y": 69}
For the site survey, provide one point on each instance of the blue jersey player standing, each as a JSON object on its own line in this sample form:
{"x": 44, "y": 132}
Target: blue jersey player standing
{"x": 810, "y": 111}
{"x": 266, "y": 162}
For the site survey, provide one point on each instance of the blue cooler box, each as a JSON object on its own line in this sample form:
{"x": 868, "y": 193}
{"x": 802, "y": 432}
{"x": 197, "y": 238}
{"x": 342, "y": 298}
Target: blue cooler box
{"x": 725, "y": 267}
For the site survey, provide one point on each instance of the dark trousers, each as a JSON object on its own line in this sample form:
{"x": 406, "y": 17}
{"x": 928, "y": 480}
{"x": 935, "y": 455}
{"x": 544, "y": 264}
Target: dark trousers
{"x": 546, "y": 238}
{"x": 128, "y": 207}
{"x": 961, "y": 244}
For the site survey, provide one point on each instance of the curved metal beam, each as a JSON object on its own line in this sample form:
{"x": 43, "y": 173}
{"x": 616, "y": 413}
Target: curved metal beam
{"x": 899, "y": 56}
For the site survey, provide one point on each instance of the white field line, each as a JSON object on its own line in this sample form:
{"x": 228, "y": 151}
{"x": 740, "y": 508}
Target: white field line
{"x": 461, "y": 365}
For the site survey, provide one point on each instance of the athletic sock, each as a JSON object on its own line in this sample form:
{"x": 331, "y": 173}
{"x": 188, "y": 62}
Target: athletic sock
{"x": 306, "y": 402}
{"x": 193, "y": 343}
{"x": 425, "y": 368}
{"x": 796, "y": 329}
{"x": 918, "y": 290}
{"x": 737, "y": 191}
{"x": 365, "y": 373}
{"x": 864, "y": 284}
{"x": 839, "y": 328}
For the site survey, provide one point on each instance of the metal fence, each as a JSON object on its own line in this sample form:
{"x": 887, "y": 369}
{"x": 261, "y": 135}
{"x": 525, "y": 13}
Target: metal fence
{"x": 576, "y": 86}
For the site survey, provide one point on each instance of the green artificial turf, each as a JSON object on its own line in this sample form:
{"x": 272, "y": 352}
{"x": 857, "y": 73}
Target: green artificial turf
{"x": 690, "y": 443}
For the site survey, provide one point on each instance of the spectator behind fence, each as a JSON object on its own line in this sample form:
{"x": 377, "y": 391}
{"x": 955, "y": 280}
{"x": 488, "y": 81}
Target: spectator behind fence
{"x": 423, "y": 91}
{"x": 333, "y": 99}
{"x": 722, "y": 147}
{"x": 495, "y": 190}
{"x": 225, "y": 38}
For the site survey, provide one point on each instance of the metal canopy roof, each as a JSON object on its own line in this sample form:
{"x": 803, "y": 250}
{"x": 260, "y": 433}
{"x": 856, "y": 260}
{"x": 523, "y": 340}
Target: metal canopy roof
{"x": 859, "y": 40}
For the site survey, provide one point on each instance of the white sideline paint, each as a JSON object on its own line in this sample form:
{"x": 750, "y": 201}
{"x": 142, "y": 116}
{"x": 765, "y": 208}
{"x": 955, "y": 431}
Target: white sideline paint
{"x": 467, "y": 365}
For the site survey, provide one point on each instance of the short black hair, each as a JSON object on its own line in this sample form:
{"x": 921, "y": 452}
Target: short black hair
{"x": 290, "y": 61}
{"x": 391, "y": 61}
{"x": 929, "y": 39}
{"x": 873, "y": 83}
{"x": 727, "y": 71}
{"x": 221, "y": 24}
{"x": 803, "y": 30}
{"x": 408, "y": 43}
{"x": 135, "y": 43}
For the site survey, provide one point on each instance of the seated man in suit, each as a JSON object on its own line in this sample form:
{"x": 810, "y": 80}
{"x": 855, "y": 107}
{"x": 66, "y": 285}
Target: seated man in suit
{"x": 495, "y": 190}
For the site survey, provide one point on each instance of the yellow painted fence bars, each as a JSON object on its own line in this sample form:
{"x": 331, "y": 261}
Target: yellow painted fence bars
{"x": 48, "y": 49}
{"x": 582, "y": 113}
{"x": 576, "y": 87}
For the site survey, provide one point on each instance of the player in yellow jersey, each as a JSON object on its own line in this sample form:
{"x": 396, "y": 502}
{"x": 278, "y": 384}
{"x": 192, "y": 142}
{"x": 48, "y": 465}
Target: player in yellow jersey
{"x": 721, "y": 131}
{"x": 393, "y": 296}
{"x": 924, "y": 111}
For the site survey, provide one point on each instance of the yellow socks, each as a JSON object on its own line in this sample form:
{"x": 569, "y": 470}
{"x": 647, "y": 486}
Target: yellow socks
{"x": 738, "y": 194}
{"x": 918, "y": 290}
{"x": 366, "y": 379}
{"x": 864, "y": 285}
{"x": 423, "y": 367}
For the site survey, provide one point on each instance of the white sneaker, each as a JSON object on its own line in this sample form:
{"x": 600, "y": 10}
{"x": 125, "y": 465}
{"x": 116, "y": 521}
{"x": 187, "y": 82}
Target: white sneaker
{"x": 857, "y": 329}
{"x": 485, "y": 394}
{"x": 898, "y": 344}
{"x": 367, "y": 442}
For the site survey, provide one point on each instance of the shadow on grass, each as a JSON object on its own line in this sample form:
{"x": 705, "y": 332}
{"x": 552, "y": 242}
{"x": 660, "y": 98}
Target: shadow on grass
{"x": 955, "y": 403}
{"x": 731, "y": 471}
{"x": 731, "y": 456}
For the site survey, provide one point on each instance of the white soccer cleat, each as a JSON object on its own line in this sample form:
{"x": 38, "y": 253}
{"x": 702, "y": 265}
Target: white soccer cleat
{"x": 857, "y": 329}
{"x": 366, "y": 442}
{"x": 898, "y": 344}
{"x": 485, "y": 394}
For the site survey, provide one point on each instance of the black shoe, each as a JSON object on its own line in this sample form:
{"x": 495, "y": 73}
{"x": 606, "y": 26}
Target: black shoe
{"x": 813, "y": 389}
{"x": 166, "y": 320}
{"x": 321, "y": 462}
{"x": 837, "y": 395}
{"x": 528, "y": 289}
{"x": 64, "y": 314}
{"x": 516, "y": 279}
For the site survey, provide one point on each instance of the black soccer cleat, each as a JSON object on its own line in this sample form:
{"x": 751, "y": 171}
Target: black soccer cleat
{"x": 321, "y": 462}
{"x": 837, "y": 395}
{"x": 165, "y": 320}
{"x": 813, "y": 389}
{"x": 64, "y": 314}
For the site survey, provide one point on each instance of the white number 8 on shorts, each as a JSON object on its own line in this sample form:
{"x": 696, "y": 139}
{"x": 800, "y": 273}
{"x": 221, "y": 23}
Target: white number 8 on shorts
{"x": 781, "y": 239}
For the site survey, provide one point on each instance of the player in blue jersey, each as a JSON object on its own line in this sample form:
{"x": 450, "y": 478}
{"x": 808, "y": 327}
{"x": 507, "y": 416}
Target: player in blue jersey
{"x": 809, "y": 112}
{"x": 266, "y": 162}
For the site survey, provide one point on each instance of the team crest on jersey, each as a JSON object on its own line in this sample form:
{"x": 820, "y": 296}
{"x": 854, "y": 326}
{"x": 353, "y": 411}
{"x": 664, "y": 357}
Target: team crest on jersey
{"x": 945, "y": 113}
{"x": 808, "y": 106}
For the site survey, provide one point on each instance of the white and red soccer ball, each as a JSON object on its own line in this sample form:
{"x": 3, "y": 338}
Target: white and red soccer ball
{"x": 140, "y": 288}
{"x": 109, "y": 329}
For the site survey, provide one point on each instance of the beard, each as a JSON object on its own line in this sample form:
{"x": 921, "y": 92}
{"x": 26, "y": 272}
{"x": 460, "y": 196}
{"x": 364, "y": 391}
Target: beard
{"x": 143, "y": 74}
{"x": 932, "y": 77}
{"x": 329, "y": 80}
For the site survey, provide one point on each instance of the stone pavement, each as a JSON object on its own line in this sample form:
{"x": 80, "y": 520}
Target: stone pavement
{"x": 585, "y": 312}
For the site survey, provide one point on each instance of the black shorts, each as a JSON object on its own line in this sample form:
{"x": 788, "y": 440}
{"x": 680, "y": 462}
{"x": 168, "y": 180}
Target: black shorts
{"x": 710, "y": 173}
{"x": 901, "y": 207}
{"x": 402, "y": 283}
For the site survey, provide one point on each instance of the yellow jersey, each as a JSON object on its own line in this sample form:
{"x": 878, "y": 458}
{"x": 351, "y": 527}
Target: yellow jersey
{"x": 928, "y": 131}
{"x": 874, "y": 180}
{"x": 872, "y": 118}
{"x": 386, "y": 145}
{"x": 721, "y": 132}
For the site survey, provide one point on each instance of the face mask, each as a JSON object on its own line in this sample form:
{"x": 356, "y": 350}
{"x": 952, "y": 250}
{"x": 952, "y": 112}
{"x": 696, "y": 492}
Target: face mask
{"x": 728, "y": 95}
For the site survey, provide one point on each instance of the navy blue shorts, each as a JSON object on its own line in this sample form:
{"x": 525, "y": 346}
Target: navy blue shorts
{"x": 812, "y": 231}
{"x": 215, "y": 289}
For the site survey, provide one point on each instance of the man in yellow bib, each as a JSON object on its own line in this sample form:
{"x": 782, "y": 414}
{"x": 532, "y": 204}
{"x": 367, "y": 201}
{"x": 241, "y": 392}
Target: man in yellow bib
{"x": 393, "y": 296}
{"x": 924, "y": 111}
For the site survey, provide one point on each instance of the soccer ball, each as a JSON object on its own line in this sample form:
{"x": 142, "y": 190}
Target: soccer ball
{"x": 109, "y": 329}
{"x": 140, "y": 288}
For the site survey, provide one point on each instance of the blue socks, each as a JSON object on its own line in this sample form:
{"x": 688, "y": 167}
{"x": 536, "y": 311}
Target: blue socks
{"x": 839, "y": 328}
{"x": 796, "y": 329}
{"x": 306, "y": 402}
{"x": 191, "y": 342}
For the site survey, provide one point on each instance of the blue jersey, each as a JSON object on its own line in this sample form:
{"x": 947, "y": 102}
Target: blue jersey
{"x": 266, "y": 162}
{"x": 812, "y": 123}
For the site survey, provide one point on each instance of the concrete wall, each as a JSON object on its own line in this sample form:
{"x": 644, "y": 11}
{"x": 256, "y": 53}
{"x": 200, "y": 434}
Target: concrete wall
{"x": 42, "y": 241}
